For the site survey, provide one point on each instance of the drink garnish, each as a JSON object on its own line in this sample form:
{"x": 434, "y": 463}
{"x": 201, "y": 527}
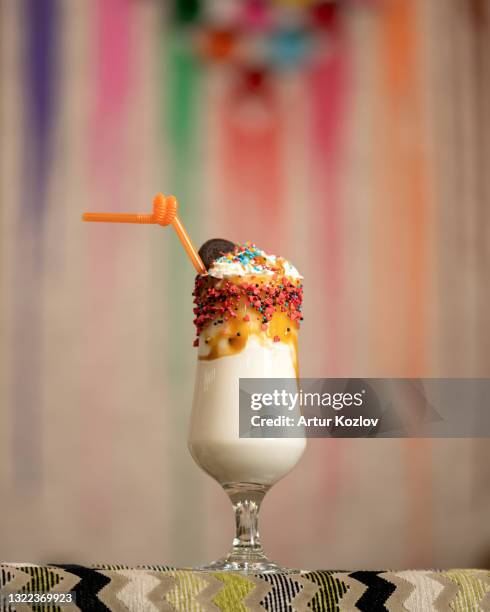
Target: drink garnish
{"x": 248, "y": 289}
{"x": 214, "y": 249}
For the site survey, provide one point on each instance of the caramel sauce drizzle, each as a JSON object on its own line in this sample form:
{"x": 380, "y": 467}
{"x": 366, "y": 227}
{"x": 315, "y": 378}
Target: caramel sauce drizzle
{"x": 226, "y": 338}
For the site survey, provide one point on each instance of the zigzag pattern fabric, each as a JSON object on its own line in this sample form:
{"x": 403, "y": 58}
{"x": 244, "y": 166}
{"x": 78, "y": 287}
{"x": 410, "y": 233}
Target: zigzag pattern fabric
{"x": 156, "y": 587}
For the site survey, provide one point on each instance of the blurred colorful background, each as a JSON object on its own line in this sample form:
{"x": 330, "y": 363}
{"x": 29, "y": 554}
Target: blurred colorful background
{"x": 352, "y": 137}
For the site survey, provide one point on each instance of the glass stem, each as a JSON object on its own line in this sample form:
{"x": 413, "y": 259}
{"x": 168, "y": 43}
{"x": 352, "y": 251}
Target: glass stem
{"x": 246, "y": 499}
{"x": 246, "y": 554}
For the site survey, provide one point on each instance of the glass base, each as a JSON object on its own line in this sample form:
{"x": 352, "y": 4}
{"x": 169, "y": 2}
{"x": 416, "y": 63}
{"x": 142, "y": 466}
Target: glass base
{"x": 246, "y": 563}
{"x": 246, "y": 555}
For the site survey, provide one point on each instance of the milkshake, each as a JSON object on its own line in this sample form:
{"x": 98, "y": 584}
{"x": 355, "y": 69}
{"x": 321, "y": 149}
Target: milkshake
{"x": 248, "y": 310}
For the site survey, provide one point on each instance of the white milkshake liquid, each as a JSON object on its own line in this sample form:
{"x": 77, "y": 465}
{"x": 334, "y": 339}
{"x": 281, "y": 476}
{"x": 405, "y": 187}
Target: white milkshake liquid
{"x": 214, "y": 440}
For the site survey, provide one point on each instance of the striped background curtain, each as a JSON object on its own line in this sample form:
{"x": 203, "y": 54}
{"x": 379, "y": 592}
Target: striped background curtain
{"x": 366, "y": 166}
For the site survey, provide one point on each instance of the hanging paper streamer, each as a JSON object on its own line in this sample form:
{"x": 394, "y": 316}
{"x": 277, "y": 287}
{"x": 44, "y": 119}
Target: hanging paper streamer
{"x": 107, "y": 144}
{"x": 41, "y": 19}
{"x": 112, "y": 81}
{"x": 184, "y": 99}
{"x": 329, "y": 85}
{"x": 401, "y": 220}
{"x": 250, "y": 158}
{"x": 181, "y": 128}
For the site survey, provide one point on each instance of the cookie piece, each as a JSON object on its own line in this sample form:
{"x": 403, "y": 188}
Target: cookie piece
{"x": 214, "y": 248}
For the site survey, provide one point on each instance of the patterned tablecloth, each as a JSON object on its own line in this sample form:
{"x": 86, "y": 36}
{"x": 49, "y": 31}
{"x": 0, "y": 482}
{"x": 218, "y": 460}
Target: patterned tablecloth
{"x": 152, "y": 587}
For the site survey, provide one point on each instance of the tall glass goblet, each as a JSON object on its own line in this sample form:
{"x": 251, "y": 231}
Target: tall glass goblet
{"x": 246, "y": 468}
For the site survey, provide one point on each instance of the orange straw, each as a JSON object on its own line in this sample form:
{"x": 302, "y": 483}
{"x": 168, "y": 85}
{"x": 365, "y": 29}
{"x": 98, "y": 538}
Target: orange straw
{"x": 164, "y": 213}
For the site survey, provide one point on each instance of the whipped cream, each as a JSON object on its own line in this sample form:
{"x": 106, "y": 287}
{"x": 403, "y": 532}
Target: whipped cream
{"x": 247, "y": 259}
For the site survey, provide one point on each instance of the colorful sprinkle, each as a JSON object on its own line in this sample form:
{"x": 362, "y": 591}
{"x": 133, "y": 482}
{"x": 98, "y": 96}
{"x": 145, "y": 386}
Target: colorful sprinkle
{"x": 218, "y": 300}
